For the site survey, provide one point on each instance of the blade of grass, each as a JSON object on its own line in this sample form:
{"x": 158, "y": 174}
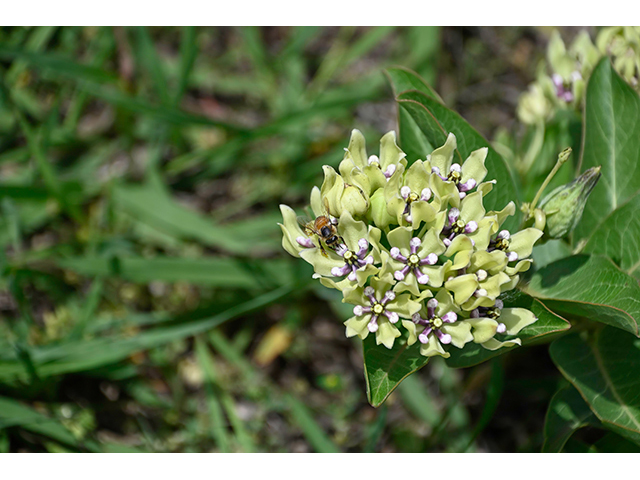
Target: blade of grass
{"x": 212, "y": 390}
{"x": 188, "y": 54}
{"x": 312, "y": 431}
{"x": 15, "y": 414}
{"x": 91, "y": 354}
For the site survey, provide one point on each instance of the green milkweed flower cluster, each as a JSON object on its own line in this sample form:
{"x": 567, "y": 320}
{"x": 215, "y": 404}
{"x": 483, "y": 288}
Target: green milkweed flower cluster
{"x": 570, "y": 68}
{"x": 416, "y": 250}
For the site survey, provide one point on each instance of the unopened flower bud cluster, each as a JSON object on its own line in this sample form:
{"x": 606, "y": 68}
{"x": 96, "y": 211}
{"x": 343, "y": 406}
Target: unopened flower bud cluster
{"x": 415, "y": 250}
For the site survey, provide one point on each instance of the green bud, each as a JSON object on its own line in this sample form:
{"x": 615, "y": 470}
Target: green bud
{"x": 563, "y": 207}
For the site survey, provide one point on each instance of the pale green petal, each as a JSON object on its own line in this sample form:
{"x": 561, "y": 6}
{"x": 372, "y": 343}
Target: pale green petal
{"x": 460, "y": 333}
{"x": 359, "y": 178}
{"x": 400, "y": 237}
{"x": 345, "y": 286}
{"x": 290, "y": 231}
{"x": 409, "y": 284}
{"x": 355, "y": 297}
{"x": 352, "y": 230}
{"x": 445, "y": 303}
{"x": 332, "y": 189}
{"x": 482, "y": 236}
{"x": 493, "y": 344}
{"x": 482, "y": 328}
{"x": 378, "y": 212}
{"x": 462, "y": 287}
{"x": 445, "y": 193}
{"x": 492, "y": 284}
{"x": 436, "y": 273}
{"x": 491, "y": 262}
{"x": 354, "y": 200}
{"x": 376, "y": 178}
{"x": 475, "y": 302}
{"x": 471, "y": 208}
{"x": 442, "y": 157}
{"x": 317, "y": 206}
{"x": 502, "y": 215}
{"x": 431, "y": 243}
{"x": 422, "y": 212}
{"x": 485, "y": 187}
{"x": 358, "y": 326}
{"x": 417, "y": 177}
{"x": 356, "y": 150}
{"x": 390, "y": 153}
{"x": 411, "y": 328}
{"x": 510, "y": 285}
{"x": 404, "y": 306}
{"x": 386, "y": 333}
{"x": 473, "y": 166}
{"x": 433, "y": 348}
{"x": 322, "y": 264}
{"x": 363, "y": 274}
{"x": 394, "y": 184}
{"x": 395, "y": 208}
{"x": 515, "y": 319}
{"x": 522, "y": 242}
{"x": 291, "y": 246}
{"x": 521, "y": 266}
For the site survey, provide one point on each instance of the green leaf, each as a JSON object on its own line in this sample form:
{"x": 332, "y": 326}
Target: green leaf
{"x": 436, "y": 121}
{"x": 548, "y": 323}
{"x": 591, "y": 287}
{"x": 156, "y": 208}
{"x": 312, "y": 431}
{"x": 385, "y": 368}
{"x": 91, "y": 354}
{"x": 617, "y": 237}
{"x": 16, "y": 414}
{"x": 605, "y": 369}
{"x": 217, "y": 272}
{"x": 612, "y": 130}
{"x": 403, "y": 79}
{"x": 567, "y": 413}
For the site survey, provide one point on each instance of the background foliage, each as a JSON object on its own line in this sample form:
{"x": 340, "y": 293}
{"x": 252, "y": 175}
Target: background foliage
{"x": 145, "y": 301}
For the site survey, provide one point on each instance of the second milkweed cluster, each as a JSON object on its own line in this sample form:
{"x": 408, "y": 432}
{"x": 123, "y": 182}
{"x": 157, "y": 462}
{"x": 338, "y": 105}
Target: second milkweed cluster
{"x": 413, "y": 248}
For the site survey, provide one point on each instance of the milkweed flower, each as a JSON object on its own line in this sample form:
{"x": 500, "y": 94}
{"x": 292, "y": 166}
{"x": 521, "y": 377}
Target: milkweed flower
{"x": 420, "y": 258}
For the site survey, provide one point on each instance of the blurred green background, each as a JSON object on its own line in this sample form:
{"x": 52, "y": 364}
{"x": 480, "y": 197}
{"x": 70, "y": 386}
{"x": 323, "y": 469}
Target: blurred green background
{"x": 145, "y": 301}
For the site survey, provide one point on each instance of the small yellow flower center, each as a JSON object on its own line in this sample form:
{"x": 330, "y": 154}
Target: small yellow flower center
{"x": 414, "y": 259}
{"x": 436, "y": 322}
{"x": 502, "y": 244}
{"x": 378, "y": 309}
{"x": 458, "y": 226}
{"x": 348, "y": 256}
{"x": 454, "y": 176}
{"x": 412, "y": 197}
{"x": 493, "y": 313}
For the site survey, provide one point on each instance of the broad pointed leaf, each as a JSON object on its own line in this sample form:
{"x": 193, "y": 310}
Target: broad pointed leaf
{"x": 548, "y": 323}
{"x": 605, "y": 369}
{"x": 618, "y": 237}
{"x": 567, "y": 413}
{"x": 591, "y": 287}
{"x": 612, "y": 130}
{"x": 385, "y": 368}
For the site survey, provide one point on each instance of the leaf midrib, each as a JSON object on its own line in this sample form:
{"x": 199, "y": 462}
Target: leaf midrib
{"x": 610, "y": 386}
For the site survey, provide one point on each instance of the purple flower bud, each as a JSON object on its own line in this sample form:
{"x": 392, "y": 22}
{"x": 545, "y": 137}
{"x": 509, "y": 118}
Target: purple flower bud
{"x": 305, "y": 242}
